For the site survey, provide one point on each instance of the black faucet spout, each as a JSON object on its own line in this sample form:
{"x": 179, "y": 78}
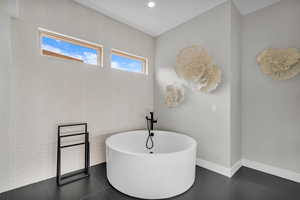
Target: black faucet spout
{"x": 152, "y": 120}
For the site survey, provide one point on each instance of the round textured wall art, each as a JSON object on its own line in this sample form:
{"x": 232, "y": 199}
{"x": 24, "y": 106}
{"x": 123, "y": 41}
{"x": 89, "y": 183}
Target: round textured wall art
{"x": 280, "y": 64}
{"x": 196, "y": 67}
{"x": 174, "y": 95}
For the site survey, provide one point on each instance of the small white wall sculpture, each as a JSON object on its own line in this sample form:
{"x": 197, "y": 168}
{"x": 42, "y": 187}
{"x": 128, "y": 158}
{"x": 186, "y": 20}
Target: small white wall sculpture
{"x": 196, "y": 67}
{"x": 174, "y": 95}
{"x": 280, "y": 64}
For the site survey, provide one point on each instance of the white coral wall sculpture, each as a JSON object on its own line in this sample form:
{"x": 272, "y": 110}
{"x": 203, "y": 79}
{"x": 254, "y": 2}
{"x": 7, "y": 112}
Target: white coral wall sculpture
{"x": 280, "y": 64}
{"x": 174, "y": 95}
{"x": 196, "y": 67}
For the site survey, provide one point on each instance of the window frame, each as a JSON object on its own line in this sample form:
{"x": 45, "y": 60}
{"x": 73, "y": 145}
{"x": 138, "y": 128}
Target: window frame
{"x": 130, "y": 56}
{"x": 70, "y": 39}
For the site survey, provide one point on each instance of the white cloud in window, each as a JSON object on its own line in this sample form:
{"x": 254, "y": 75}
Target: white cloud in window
{"x": 134, "y": 66}
{"x": 128, "y": 66}
{"x": 90, "y": 58}
{"x": 116, "y": 65}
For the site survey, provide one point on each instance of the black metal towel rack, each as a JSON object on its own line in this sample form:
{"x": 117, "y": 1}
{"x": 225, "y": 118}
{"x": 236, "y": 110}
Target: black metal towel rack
{"x": 79, "y": 174}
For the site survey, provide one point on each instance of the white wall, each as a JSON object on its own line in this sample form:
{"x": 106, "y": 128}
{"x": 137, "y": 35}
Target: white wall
{"x": 10, "y": 7}
{"x": 195, "y": 116}
{"x": 5, "y": 64}
{"x": 45, "y": 91}
{"x": 235, "y": 85}
{"x": 271, "y": 109}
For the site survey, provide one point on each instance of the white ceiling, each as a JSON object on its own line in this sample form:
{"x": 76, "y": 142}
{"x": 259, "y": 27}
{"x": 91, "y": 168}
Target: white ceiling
{"x": 167, "y": 14}
{"x": 249, "y": 6}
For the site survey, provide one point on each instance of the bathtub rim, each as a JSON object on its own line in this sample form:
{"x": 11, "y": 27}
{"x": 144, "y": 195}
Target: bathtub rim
{"x": 189, "y": 148}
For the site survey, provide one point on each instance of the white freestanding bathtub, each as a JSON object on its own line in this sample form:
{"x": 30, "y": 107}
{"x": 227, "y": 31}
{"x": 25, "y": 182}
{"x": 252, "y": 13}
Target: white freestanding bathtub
{"x": 167, "y": 172}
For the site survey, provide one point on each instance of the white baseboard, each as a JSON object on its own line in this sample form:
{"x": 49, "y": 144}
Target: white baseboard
{"x": 283, "y": 173}
{"x": 229, "y": 172}
{"x": 236, "y": 167}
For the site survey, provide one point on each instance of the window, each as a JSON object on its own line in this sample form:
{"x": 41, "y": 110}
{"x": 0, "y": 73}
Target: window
{"x": 128, "y": 62}
{"x": 69, "y": 48}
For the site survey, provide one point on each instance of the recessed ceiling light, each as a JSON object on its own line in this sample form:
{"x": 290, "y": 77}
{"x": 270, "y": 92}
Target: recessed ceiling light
{"x": 151, "y": 4}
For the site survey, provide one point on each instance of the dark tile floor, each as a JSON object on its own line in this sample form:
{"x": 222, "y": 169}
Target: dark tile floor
{"x": 247, "y": 184}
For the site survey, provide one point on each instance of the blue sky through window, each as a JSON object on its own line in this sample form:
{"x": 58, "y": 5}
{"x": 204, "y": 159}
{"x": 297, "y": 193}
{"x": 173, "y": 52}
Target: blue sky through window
{"x": 87, "y": 55}
{"x": 127, "y": 64}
